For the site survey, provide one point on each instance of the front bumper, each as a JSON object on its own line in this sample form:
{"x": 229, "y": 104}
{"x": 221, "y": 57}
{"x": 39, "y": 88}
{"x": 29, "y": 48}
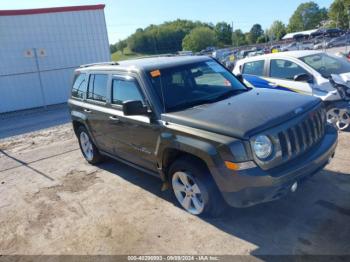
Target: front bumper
{"x": 253, "y": 186}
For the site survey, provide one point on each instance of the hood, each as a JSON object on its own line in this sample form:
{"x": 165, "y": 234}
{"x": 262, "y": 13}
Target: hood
{"x": 246, "y": 114}
{"x": 345, "y": 77}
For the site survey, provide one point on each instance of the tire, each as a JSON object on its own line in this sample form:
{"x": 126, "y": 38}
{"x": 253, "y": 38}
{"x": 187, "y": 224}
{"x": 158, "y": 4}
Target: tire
{"x": 201, "y": 197}
{"x": 87, "y": 147}
{"x": 341, "y": 119}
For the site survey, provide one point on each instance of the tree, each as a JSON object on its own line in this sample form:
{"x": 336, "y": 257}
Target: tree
{"x": 199, "y": 38}
{"x": 338, "y": 14}
{"x": 113, "y": 48}
{"x": 223, "y": 32}
{"x": 277, "y": 30}
{"x": 238, "y": 38}
{"x": 121, "y": 45}
{"x": 306, "y": 17}
{"x": 255, "y": 33}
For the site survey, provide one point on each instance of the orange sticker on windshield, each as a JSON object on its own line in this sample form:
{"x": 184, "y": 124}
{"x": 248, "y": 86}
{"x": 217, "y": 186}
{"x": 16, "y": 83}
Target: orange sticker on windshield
{"x": 155, "y": 73}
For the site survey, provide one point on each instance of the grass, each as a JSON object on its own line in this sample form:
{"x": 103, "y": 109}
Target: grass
{"x": 126, "y": 55}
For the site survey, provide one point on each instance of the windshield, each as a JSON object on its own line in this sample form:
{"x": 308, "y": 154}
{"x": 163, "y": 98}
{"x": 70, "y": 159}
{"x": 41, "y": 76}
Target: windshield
{"x": 327, "y": 65}
{"x": 194, "y": 84}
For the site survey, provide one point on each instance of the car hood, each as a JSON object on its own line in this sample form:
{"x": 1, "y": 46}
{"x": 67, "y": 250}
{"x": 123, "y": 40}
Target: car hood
{"x": 345, "y": 77}
{"x": 246, "y": 114}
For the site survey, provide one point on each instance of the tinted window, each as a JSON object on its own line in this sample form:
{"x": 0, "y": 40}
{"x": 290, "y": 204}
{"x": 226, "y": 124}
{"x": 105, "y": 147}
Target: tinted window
{"x": 79, "y": 86}
{"x": 285, "y": 69}
{"x": 98, "y": 87}
{"x": 125, "y": 90}
{"x": 254, "y": 68}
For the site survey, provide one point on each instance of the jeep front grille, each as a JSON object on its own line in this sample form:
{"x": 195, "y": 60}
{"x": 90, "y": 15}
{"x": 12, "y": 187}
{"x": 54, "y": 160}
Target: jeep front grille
{"x": 301, "y": 137}
{"x": 296, "y": 139}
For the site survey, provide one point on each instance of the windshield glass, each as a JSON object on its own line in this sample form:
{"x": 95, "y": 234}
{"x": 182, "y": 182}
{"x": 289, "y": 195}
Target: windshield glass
{"x": 186, "y": 86}
{"x": 327, "y": 65}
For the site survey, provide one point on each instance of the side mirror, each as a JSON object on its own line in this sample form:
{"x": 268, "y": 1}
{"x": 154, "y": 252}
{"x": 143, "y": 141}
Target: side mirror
{"x": 304, "y": 78}
{"x": 134, "y": 108}
{"x": 240, "y": 78}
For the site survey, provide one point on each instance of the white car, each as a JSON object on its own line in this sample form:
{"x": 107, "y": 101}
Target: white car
{"x": 305, "y": 72}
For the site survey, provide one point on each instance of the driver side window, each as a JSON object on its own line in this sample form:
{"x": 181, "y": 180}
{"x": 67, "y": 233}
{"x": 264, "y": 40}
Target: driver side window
{"x": 284, "y": 69}
{"x": 125, "y": 90}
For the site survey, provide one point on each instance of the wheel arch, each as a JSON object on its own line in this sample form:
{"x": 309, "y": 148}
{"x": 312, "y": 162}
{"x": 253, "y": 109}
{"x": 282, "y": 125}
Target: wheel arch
{"x": 183, "y": 146}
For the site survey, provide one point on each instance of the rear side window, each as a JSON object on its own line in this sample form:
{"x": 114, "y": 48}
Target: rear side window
{"x": 98, "y": 87}
{"x": 254, "y": 68}
{"x": 79, "y": 86}
{"x": 125, "y": 90}
{"x": 285, "y": 69}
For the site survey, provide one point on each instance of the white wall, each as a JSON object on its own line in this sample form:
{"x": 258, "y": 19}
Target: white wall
{"x": 69, "y": 40}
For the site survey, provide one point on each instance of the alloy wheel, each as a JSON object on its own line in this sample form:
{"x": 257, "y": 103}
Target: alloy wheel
{"x": 339, "y": 117}
{"x": 188, "y": 193}
{"x": 86, "y": 146}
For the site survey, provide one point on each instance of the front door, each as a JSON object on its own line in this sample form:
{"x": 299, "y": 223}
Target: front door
{"x": 133, "y": 138}
{"x": 281, "y": 75}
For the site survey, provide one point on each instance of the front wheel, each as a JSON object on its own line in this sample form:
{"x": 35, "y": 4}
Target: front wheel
{"x": 194, "y": 188}
{"x": 339, "y": 117}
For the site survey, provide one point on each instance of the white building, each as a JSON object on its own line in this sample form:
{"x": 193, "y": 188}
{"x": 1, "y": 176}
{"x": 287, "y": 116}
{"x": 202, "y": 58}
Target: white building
{"x": 40, "y": 48}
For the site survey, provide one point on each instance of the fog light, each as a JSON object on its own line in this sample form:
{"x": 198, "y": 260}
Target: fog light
{"x": 294, "y": 187}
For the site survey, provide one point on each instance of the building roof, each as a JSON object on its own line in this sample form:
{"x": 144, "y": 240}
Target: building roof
{"x": 291, "y": 35}
{"x": 50, "y": 10}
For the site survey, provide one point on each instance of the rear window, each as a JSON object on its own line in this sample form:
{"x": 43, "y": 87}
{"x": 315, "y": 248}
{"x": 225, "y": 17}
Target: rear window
{"x": 98, "y": 87}
{"x": 79, "y": 86}
{"x": 254, "y": 68}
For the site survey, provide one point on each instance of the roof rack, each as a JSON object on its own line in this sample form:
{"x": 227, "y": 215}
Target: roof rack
{"x": 155, "y": 56}
{"x": 102, "y": 63}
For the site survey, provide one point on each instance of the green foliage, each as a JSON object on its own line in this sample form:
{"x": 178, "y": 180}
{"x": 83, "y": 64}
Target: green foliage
{"x": 164, "y": 38}
{"x": 113, "y": 48}
{"x": 238, "y": 38}
{"x": 307, "y": 16}
{"x": 255, "y": 33}
{"x": 277, "y": 30}
{"x": 262, "y": 39}
{"x": 199, "y": 38}
{"x": 338, "y": 14}
{"x": 223, "y": 33}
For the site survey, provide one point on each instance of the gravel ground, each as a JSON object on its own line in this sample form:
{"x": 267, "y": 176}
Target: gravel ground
{"x": 53, "y": 202}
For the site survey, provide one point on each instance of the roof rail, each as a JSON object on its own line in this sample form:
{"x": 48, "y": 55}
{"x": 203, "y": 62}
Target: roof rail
{"x": 102, "y": 63}
{"x": 150, "y": 56}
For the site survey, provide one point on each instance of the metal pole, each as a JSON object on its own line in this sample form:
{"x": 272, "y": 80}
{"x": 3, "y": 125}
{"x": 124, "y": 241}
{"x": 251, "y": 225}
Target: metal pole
{"x": 40, "y": 79}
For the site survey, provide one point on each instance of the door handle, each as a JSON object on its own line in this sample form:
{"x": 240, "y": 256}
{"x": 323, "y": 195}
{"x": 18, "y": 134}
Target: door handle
{"x": 114, "y": 119}
{"x": 273, "y": 84}
{"x": 87, "y": 110}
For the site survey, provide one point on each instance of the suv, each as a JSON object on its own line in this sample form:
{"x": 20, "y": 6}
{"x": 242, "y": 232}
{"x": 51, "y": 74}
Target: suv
{"x": 191, "y": 122}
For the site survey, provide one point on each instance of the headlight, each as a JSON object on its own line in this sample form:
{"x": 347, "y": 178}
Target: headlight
{"x": 262, "y": 147}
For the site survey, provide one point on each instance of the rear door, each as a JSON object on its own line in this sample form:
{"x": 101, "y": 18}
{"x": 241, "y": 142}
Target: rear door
{"x": 281, "y": 73}
{"x": 95, "y": 108}
{"x": 253, "y": 73}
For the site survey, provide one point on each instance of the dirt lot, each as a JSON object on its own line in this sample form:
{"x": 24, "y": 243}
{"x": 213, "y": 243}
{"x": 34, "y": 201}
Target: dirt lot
{"x": 53, "y": 202}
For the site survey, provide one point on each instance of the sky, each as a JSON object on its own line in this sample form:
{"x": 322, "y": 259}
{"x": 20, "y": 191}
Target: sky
{"x": 123, "y": 17}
